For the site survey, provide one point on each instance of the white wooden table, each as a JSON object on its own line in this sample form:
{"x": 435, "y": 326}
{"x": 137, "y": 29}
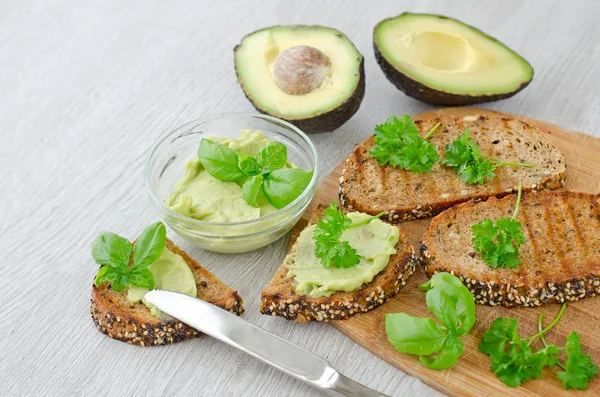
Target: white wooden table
{"x": 87, "y": 87}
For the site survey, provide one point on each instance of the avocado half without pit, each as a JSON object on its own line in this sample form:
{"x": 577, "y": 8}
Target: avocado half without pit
{"x": 443, "y": 61}
{"x": 311, "y": 76}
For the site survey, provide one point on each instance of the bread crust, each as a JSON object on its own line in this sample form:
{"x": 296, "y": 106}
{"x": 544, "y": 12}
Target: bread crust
{"x": 354, "y": 168}
{"x": 558, "y": 285}
{"x": 115, "y": 318}
{"x": 341, "y": 305}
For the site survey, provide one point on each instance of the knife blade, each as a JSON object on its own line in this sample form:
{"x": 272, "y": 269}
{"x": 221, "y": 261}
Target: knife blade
{"x": 271, "y": 349}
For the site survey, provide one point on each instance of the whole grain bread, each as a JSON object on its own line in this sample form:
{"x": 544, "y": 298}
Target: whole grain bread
{"x": 366, "y": 186}
{"x": 279, "y": 298}
{"x": 115, "y": 317}
{"x": 560, "y": 260}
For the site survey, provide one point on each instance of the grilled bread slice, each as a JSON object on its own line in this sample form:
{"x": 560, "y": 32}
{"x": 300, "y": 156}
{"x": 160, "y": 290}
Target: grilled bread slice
{"x": 115, "y": 317}
{"x": 560, "y": 260}
{"x": 366, "y": 186}
{"x": 279, "y": 298}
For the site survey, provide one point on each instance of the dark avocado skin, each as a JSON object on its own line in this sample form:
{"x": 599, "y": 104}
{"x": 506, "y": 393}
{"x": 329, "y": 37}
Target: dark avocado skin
{"x": 324, "y": 122}
{"x": 426, "y": 94}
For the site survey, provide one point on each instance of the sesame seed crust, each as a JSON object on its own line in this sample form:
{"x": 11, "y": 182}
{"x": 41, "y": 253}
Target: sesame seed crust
{"x": 303, "y": 308}
{"x": 508, "y": 295}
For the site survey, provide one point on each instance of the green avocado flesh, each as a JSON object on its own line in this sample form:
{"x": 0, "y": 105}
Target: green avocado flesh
{"x": 448, "y": 56}
{"x": 256, "y": 55}
{"x": 171, "y": 273}
{"x": 200, "y": 196}
{"x": 375, "y": 242}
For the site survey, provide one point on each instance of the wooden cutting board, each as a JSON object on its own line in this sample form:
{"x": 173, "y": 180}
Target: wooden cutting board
{"x": 471, "y": 375}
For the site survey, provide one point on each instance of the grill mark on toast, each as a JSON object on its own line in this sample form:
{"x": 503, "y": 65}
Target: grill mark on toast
{"x": 531, "y": 237}
{"x": 552, "y": 233}
{"x": 580, "y": 245}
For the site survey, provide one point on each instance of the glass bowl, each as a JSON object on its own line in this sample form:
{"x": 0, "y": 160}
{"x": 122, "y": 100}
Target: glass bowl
{"x": 166, "y": 166}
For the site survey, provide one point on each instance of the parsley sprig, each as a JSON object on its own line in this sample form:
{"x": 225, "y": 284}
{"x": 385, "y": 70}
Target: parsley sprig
{"x": 113, "y": 253}
{"x": 333, "y": 252}
{"x": 498, "y": 244}
{"x": 473, "y": 166}
{"x": 514, "y": 361}
{"x": 397, "y": 142}
{"x": 438, "y": 346}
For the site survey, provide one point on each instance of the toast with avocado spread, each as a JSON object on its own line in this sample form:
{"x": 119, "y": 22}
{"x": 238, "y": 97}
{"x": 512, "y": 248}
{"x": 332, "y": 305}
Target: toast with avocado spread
{"x": 115, "y": 315}
{"x": 368, "y": 187}
{"x": 282, "y": 298}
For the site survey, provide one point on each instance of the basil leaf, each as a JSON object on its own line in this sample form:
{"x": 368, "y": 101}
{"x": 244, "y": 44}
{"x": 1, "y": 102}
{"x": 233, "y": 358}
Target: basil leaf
{"x": 453, "y": 348}
{"x": 283, "y": 186}
{"x": 248, "y": 165}
{"x": 120, "y": 282}
{"x": 150, "y": 245}
{"x": 142, "y": 277}
{"x": 106, "y": 273}
{"x": 219, "y": 161}
{"x": 272, "y": 157}
{"x": 111, "y": 249}
{"x": 414, "y": 335}
{"x": 460, "y": 295}
{"x": 251, "y": 189}
{"x": 443, "y": 307}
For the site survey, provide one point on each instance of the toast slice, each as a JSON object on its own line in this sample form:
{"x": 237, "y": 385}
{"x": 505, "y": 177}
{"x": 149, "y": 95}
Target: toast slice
{"x": 560, "y": 260}
{"x": 279, "y": 298}
{"x": 115, "y": 317}
{"x": 366, "y": 186}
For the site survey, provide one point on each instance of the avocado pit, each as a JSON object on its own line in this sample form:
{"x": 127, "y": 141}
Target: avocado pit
{"x": 300, "y": 69}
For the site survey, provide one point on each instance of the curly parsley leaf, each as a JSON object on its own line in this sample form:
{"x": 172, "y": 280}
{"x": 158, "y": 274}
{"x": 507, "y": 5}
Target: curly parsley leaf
{"x": 498, "y": 244}
{"x": 514, "y": 361}
{"x": 397, "y": 142}
{"x": 579, "y": 369}
{"x": 473, "y": 167}
{"x": 333, "y": 252}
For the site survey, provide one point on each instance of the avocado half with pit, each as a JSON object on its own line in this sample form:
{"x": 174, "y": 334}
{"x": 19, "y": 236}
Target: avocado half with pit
{"x": 311, "y": 76}
{"x": 443, "y": 61}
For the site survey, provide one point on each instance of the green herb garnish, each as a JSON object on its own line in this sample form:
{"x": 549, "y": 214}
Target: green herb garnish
{"x": 514, "y": 361}
{"x": 264, "y": 172}
{"x": 398, "y": 143}
{"x": 113, "y": 253}
{"x": 498, "y": 244}
{"x": 438, "y": 346}
{"x": 333, "y": 252}
{"x": 473, "y": 167}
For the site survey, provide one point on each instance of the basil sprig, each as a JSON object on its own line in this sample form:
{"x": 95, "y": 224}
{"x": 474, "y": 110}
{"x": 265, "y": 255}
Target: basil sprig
{"x": 113, "y": 253}
{"x": 264, "y": 172}
{"x": 453, "y": 305}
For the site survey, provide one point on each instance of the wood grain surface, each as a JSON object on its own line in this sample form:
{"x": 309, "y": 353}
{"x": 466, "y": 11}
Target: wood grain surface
{"x": 87, "y": 87}
{"x": 471, "y": 375}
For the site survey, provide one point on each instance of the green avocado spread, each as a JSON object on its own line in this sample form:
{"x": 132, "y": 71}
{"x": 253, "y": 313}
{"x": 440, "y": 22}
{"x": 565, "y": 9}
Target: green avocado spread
{"x": 374, "y": 242}
{"x": 171, "y": 273}
{"x": 201, "y": 196}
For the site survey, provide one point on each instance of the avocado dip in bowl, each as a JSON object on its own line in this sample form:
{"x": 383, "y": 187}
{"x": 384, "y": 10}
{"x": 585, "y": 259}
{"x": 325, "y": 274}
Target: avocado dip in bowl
{"x": 196, "y": 187}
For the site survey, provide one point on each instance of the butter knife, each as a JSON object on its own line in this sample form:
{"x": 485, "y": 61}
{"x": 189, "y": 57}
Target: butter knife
{"x": 271, "y": 349}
